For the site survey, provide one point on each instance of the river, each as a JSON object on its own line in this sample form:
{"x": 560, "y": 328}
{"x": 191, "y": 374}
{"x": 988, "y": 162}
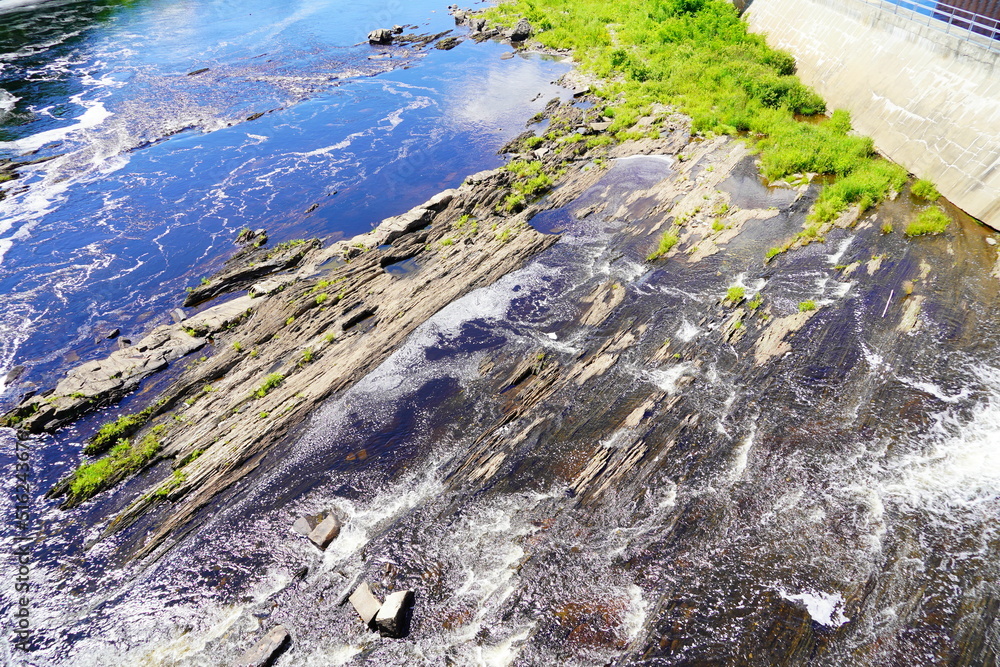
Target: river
{"x": 653, "y": 491}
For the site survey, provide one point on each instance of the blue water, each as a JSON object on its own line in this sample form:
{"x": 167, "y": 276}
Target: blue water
{"x": 155, "y": 170}
{"x": 158, "y": 169}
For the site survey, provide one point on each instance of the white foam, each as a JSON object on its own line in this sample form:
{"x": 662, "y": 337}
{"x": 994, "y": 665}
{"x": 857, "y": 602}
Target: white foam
{"x": 835, "y": 257}
{"x": 824, "y": 608}
{"x": 7, "y": 102}
{"x": 742, "y": 456}
{"x": 688, "y": 332}
{"x": 667, "y": 379}
{"x": 95, "y": 113}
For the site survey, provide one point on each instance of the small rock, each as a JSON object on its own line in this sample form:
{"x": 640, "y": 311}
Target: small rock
{"x": 397, "y": 30}
{"x": 123, "y": 343}
{"x": 325, "y": 532}
{"x": 267, "y": 650}
{"x": 477, "y": 24}
{"x": 580, "y": 92}
{"x": 991, "y": 241}
{"x": 13, "y": 374}
{"x": 301, "y": 572}
{"x": 256, "y": 236}
{"x": 305, "y": 525}
{"x": 447, "y": 44}
{"x": 542, "y": 152}
{"x": 520, "y": 32}
{"x": 365, "y": 603}
{"x": 507, "y": 56}
{"x": 460, "y": 16}
{"x": 198, "y": 71}
{"x": 113, "y": 334}
{"x": 380, "y": 36}
{"x": 178, "y": 315}
{"x": 600, "y": 127}
{"x": 393, "y": 619}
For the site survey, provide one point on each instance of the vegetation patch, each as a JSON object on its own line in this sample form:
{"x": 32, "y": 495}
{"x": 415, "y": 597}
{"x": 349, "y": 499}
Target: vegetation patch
{"x": 925, "y": 190}
{"x": 667, "y": 242}
{"x": 806, "y": 306}
{"x": 270, "y": 382}
{"x": 698, "y": 56}
{"x": 110, "y": 433}
{"x": 123, "y": 459}
{"x": 930, "y": 221}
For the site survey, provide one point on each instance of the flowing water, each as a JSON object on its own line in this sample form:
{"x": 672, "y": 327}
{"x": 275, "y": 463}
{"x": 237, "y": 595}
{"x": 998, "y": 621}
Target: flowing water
{"x": 683, "y": 505}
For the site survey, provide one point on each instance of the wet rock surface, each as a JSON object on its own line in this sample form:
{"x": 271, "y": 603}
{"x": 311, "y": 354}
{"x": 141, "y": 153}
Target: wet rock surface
{"x": 589, "y": 455}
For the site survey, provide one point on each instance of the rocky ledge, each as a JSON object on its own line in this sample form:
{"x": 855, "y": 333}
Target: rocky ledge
{"x": 315, "y": 319}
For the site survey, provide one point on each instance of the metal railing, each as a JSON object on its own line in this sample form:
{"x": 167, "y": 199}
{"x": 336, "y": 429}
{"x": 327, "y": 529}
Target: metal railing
{"x": 956, "y": 21}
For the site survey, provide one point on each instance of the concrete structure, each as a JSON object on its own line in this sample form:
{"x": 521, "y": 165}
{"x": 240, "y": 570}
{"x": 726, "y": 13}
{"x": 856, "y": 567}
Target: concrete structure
{"x": 929, "y": 99}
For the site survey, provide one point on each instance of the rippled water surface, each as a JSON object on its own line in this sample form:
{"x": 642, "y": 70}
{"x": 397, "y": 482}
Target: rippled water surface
{"x": 686, "y": 505}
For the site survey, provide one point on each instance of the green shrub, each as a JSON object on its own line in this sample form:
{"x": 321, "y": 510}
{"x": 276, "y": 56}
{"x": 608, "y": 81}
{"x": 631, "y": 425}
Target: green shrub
{"x": 930, "y": 221}
{"x": 806, "y": 306}
{"x": 735, "y": 294}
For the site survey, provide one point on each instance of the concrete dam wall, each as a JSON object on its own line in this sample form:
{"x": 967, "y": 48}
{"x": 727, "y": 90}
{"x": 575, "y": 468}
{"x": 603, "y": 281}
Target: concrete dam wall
{"x": 929, "y": 98}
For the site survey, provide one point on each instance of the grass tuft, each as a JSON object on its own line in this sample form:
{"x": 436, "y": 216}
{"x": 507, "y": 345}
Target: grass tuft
{"x": 930, "y": 221}
{"x": 667, "y": 243}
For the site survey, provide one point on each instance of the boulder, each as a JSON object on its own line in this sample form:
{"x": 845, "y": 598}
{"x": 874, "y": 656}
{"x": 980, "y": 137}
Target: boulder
{"x": 477, "y": 24}
{"x": 267, "y": 649}
{"x": 600, "y": 127}
{"x": 325, "y": 532}
{"x": 178, "y": 315}
{"x": 520, "y": 32}
{"x": 380, "y": 36}
{"x": 393, "y": 619}
{"x": 365, "y": 603}
{"x": 397, "y": 30}
{"x": 305, "y": 525}
{"x": 113, "y": 334}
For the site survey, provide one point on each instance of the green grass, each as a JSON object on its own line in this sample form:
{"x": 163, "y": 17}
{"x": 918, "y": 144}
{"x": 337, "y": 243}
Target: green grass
{"x": 735, "y": 294}
{"x": 756, "y": 302}
{"x": 930, "y": 221}
{"x": 698, "y": 56}
{"x": 925, "y": 190}
{"x": 321, "y": 299}
{"x": 110, "y": 433}
{"x": 123, "y": 459}
{"x": 667, "y": 242}
{"x": 806, "y": 306}
{"x": 270, "y": 382}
